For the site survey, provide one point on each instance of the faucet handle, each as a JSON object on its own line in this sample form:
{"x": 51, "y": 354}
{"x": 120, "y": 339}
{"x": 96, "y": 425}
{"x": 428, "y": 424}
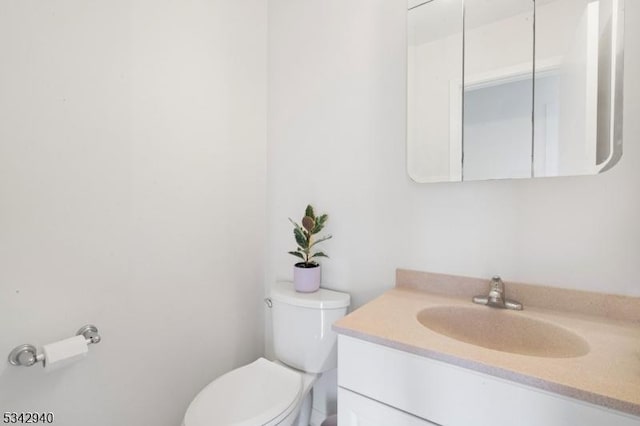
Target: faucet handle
{"x": 497, "y": 284}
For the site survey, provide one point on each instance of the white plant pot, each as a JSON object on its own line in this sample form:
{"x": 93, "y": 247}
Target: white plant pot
{"x": 306, "y": 280}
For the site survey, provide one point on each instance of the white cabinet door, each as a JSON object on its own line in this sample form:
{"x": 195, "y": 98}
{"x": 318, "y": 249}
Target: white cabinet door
{"x": 356, "y": 410}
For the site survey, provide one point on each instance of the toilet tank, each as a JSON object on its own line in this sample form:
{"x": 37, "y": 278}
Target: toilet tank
{"x": 302, "y": 335}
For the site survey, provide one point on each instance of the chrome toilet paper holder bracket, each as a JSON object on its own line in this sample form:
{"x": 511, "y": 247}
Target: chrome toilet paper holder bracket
{"x": 26, "y": 355}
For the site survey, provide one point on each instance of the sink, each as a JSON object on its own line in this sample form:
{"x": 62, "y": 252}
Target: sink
{"x": 503, "y": 330}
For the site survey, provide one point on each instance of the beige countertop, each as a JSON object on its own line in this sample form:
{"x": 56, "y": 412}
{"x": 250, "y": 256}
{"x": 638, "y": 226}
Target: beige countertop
{"x": 608, "y": 375}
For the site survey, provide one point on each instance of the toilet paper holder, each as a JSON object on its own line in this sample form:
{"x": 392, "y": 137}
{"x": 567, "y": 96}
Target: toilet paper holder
{"x": 27, "y": 355}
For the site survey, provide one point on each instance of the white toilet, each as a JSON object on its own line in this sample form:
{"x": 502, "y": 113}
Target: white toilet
{"x": 268, "y": 393}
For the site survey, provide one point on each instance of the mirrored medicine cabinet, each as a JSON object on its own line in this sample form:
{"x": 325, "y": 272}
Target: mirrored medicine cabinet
{"x": 503, "y": 89}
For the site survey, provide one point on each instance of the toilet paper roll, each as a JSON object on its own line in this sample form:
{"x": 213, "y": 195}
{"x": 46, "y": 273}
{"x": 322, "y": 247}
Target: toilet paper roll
{"x": 64, "y": 352}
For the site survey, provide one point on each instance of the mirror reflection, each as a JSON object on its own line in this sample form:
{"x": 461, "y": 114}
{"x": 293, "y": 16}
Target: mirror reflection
{"x": 513, "y": 88}
{"x": 573, "y": 63}
{"x": 434, "y": 129}
{"x": 498, "y": 89}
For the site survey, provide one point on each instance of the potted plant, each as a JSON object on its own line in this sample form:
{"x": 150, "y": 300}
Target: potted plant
{"x": 306, "y": 274}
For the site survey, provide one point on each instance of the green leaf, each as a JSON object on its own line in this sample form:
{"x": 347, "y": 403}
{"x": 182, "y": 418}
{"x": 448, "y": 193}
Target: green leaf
{"x": 302, "y": 241}
{"x": 320, "y": 221}
{"x": 319, "y": 240}
{"x": 309, "y": 212}
{"x": 302, "y": 232}
{"x": 318, "y": 254}
{"x": 297, "y": 254}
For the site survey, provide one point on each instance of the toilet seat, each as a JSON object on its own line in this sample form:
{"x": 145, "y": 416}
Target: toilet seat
{"x": 258, "y": 394}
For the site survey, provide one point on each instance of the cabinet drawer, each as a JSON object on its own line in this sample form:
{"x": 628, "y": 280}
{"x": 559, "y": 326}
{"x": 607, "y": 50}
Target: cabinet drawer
{"x": 453, "y": 396}
{"x": 357, "y": 410}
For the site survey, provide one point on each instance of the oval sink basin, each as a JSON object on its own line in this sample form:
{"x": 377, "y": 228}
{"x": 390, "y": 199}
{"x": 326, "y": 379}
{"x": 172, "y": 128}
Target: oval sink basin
{"x": 503, "y": 330}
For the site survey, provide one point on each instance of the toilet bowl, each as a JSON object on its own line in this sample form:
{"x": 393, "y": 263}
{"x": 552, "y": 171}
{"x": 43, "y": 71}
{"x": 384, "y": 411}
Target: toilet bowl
{"x": 269, "y": 393}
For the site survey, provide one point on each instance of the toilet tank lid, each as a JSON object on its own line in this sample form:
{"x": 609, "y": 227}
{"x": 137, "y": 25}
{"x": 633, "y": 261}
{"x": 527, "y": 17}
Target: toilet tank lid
{"x": 284, "y": 292}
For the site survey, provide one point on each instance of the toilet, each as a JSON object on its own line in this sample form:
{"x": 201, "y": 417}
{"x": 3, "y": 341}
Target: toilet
{"x": 269, "y": 393}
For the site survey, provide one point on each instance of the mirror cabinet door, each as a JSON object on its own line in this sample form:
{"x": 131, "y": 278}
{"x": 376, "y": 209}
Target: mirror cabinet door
{"x": 434, "y": 81}
{"x": 573, "y": 89}
{"x": 498, "y": 89}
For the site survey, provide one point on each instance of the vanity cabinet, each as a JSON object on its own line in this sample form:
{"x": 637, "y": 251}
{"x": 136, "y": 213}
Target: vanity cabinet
{"x": 379, "y": 385}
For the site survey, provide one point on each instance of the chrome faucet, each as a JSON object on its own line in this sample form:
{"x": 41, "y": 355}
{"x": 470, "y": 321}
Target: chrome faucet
{"x": 496, "y": 297}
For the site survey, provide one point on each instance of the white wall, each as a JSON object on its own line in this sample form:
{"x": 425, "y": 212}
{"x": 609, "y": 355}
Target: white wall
{"x": 337, "y": 139}
{"x": 132, "y": 191}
